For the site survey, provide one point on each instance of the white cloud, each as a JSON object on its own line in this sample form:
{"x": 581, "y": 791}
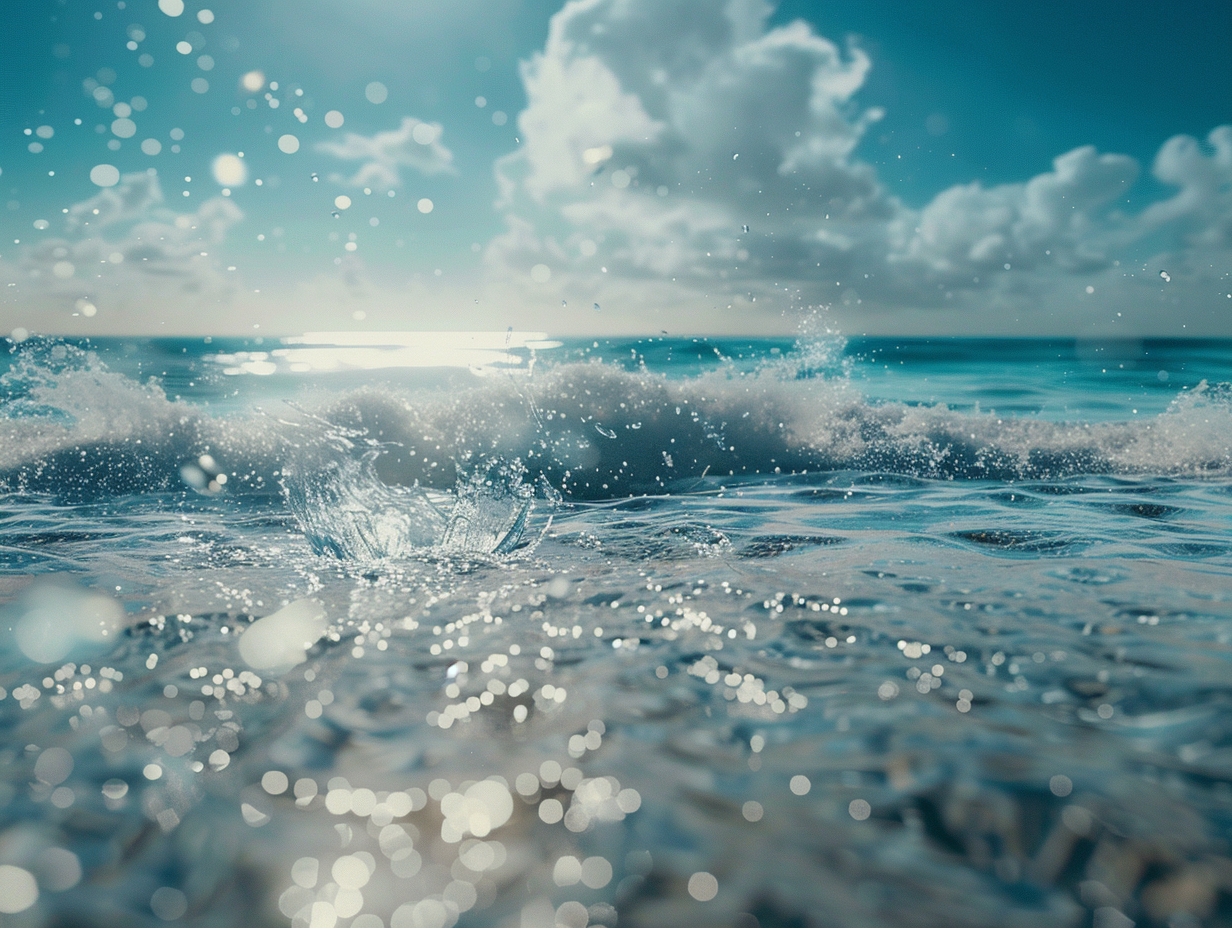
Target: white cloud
{"x": 685, "y": 147}
{"x": 659, "y": 130}
{"x": 1055, "y": 218}
{"x": 1201, "y": 211}
{"x": 414, "y": 144}
{"x": 128, "y": 200}
{"x": 124, "y": 248}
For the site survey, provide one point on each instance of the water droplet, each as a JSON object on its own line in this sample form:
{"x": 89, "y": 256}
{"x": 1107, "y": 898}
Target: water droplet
{"x": 1165, "y": 276}
{"x": 746, "y": 229}
{"x": 596, "y": 307}
{"x": 335, "y": 214}
{"x": 564, "y": 303}
{"x": 315, "y": 178}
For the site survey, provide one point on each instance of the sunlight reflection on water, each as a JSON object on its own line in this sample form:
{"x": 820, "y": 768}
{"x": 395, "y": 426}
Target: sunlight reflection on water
{"x": 349, "y": 351}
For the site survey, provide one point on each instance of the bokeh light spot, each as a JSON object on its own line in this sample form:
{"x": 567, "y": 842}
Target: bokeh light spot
{"x": 105, "y": 175}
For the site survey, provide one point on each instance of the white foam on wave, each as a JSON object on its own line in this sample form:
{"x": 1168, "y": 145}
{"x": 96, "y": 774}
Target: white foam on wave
{"x": 70, "y": 427}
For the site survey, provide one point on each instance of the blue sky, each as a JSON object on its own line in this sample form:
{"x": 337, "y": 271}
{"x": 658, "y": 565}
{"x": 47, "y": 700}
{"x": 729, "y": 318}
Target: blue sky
{"x": 616, "y": 166}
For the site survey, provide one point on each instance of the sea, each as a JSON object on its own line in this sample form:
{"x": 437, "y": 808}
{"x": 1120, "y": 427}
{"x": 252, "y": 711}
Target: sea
{"x": 416, "y": 630}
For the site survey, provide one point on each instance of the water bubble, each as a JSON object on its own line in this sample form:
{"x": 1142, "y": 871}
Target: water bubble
{"x": 200, "y": 85}
{"x": 59, "y": 869}
{"x": 168, "y": 903}
{"x": 229, "y": 170}
{"x": 184, "y": 48}
{"x": 342, "y": 201}
{"x": 1165, "y": 277}
{"x": 540, "y": 273}
{"x": 376, "y": 92}
{"x": 253, "y": 81}
{"x": 171, "y": 7}
{"x": 53, "y": 766}
{"x": 18, "y": 890}
{"x": 279, "y": 641}
{"x": 425, "y": 133}
{"x": 334, "y": 119}
{"x": 703, "y": 886}
{"x": 425, "y": 205}
{"x": 205, "y": 16}
{"x": 105, "y": 175}
{"x": 54, "y": 621}
{"x": 274, "y": 782}
{"x": 859, "y": 809}
{"x": 288, "y": 144}
{"x": 151, "y": 146}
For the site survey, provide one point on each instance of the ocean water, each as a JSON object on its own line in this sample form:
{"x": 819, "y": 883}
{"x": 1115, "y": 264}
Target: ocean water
{"x": 422, "y": 630}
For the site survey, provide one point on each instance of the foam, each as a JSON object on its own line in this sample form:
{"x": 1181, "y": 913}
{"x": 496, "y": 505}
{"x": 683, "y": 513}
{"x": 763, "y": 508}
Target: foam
{"x": 71, "y": 428}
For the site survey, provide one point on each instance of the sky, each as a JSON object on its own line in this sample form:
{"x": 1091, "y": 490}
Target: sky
{"x": 211, "y": 167}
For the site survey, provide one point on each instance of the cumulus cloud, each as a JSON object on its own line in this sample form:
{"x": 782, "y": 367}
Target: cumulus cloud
{"x": 414, "y": 144}
{"x": 689, "y": 144}
{"x": 133, "y": 198}
{"x": 124, "y": 247}
{"x": 1201, "y": 211}
{"x": 655, "y": 132}
{"x": 1055, "y": 218}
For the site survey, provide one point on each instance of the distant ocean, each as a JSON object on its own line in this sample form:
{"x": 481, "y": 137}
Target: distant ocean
{"x": 415, "y": 630}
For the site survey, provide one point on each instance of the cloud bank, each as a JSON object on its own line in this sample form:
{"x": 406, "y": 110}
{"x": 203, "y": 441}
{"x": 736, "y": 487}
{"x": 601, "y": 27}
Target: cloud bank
{"x": 124, "y": 251}
{"x": 414, "y": 144}
{"x": 685, "y": 148}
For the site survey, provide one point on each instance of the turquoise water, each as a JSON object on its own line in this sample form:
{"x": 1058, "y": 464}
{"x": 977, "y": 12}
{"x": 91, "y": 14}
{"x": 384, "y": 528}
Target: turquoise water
{"x": 648, "y": 632}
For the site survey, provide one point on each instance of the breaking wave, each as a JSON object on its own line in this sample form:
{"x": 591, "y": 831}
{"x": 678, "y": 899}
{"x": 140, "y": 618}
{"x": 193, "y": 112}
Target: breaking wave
{"x": 375, "y": 472}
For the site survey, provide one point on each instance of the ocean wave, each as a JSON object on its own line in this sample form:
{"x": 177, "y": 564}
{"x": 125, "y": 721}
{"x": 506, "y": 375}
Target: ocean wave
{"x": 74, "y": 429}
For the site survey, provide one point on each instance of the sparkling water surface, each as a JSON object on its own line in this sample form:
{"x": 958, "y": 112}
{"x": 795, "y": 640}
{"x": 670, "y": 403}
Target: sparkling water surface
{"x": 517, "y": 631}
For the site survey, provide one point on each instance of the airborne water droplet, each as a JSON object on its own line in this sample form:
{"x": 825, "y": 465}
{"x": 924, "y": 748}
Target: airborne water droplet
{"x": 335, "y": 214}
{"x": 746, "y": 229}
{"x": 596, "y": 307}
{"x": 1165, "y": 276}
{"x": 315, "y": 179}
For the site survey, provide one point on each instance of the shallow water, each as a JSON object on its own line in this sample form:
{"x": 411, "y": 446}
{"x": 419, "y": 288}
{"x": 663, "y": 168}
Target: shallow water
{"x": 648, "y": 633}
